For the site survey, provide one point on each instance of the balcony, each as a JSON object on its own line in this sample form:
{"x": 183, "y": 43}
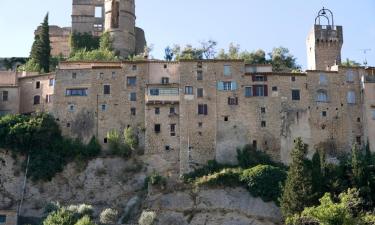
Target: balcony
{"x": 161, "y": 95}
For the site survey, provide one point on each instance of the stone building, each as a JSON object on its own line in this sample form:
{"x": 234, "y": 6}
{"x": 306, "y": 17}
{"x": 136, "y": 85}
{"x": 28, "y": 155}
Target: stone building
{"x": 8, "y": 217}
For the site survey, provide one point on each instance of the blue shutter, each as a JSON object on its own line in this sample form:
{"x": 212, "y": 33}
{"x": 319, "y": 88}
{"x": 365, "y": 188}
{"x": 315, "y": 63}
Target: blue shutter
{"x": 220, "y": 86}
{"x": 234, "y": 85}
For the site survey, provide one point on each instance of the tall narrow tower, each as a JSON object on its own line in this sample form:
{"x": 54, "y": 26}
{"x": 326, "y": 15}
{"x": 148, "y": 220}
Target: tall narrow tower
{"x": 324, "y": 42}
{"x": 120, "y": 23}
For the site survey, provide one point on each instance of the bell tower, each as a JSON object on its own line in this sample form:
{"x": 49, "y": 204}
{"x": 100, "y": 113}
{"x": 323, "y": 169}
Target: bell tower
{"x": 324, "y": 42}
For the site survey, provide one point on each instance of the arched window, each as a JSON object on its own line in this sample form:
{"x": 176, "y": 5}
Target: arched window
{"x": 351, "y": 97}
{"x": 349, "y": 76}
{"x": 36, "y": 100}
{"x": 322, "y": 96}
{"x": 323, "y": 79}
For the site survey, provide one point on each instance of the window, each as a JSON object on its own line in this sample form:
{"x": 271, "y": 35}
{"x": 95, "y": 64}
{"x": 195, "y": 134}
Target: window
{"x": 202, "y": 109}
{"x": 165, "y": 80}
{"x": 293, "y": 78}
{"x": 105, "y": 140}
{"x": 351, "y": 97}
{"x": 359, "y": 140}
{"x": 133, "y": 111}
{"x": 5, "y": 96}
{"x": 157, "y": 128}
{"x": 154, "y": 92}
{"x": 322, "y": 96}
{"x": 227, "y": 85}
{"x": 263, "y": 124}
{"x": 349, "y": 76}
{"x": 48, "y": 98}
{"x": 133, "y": 96}
{"x": 255, "y": 146}
{"x": 248, "y": 91}
{"x": 51, "y": 82}
{"x": 227, "y": 70}
{"x": 74, "y": 75}
{"x": 131, "y": 81}
{"x": 199, "y": 65}
{"x": 263, "y": 110}
{"x": 358, "y": 119}
{"x": 324, "y": 114}
{"x": 72, "y": 108}
{"x": 68, "y": 125}
{"x": 98, "y": 12}
{"x": 260, "y": 90}
{"x": 199, "y": 75}
{"x": 3, "y": 219}
{"x": 113, "y": 74}
{"x": 37, "y": 85}
{"x": 101, "y": 75}
{"x": 134, "y": 67}
{"x": 373, "y": 114}
{"x": 157, "y": 111}
{"x": 226, "y": 118}
{"x": 274, "y": 88}
{"x": 76, "y": 92}
{"x": 98, "y": 29}
{"x": 188, "y": 90}
{"x": 323, "y": 79}
{"x": 173, "y": 130}
{"x": 104, "y": 107}
{"x": 296, "y": 95}
{"x": 200, "y": 92}
{"x": 167, "y": 148}
{"x": 172, "y": 110}
{"x": 259, "y": 78}
{"x": 200, "y": 124}
{"x": 165, "y": 66}
{"x": 36, "y": 100}
{"x": 232, "y": 101}
{"x": 107, "y": 89}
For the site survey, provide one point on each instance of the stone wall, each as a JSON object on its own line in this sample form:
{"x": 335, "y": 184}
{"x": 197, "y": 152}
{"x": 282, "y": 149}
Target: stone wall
{"x": 10, "y": 217}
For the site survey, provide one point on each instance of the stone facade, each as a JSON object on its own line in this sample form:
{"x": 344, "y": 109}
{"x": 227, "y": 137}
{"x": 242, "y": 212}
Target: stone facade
{"x": 8, "y": 217}
{"x": 59, "y": 38}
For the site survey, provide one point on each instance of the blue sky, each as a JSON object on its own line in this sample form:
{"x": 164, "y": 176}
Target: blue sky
{"x": 252, "y": 24}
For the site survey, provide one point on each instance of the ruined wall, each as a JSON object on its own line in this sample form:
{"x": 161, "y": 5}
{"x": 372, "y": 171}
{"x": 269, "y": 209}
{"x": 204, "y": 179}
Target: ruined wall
{"x": 83, "y": 16}
{"x": 369, "y": 112}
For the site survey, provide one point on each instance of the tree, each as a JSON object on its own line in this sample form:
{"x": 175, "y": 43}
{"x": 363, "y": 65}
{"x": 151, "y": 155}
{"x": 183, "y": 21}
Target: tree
{"x": 257, "y": 57}
{"x": 282, "y": 60}
{"x": 317, "y": 174}
{"x": 130, "y": 138}
{"x": 350, "y": 63}
{"x": 168, "y": 53}
{"x": 79, "y": 41}
{"x": 298, "y": 186}
{"x": 105, "y": 42}
{"x": 358, "y": 168}
{"x": 45, "y": 46}
{"x": 208, "y": 49}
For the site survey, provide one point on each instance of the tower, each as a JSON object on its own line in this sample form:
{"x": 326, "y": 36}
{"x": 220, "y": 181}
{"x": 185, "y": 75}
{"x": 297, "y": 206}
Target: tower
{"x": 120, "y": 23}
{"x": 87, "y": 16}
{"x": 324, "y": 42}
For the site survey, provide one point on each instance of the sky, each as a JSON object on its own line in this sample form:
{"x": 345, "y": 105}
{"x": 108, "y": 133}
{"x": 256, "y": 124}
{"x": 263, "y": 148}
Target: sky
{"x": 253, "y": 24}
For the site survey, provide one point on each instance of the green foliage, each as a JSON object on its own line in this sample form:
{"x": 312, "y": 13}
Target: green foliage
{"x": 92, "y": 149}
{"x": 350, "y": 63}
{"x": 109, "y": 216}
{"x": 31, "y": 66}
{"x": 147, "y": 218}
{"x": 94, "y": 55}
{"x": 155, "y": 179}
{"x": 248, "y": 157}
{"x": 298, "y": 186}
{"x": 85, "y": 221}
{"x": 105, "y": 41}
{"x": 130, "y": 138}
{"x": 80, "y": 41}
{"x": 358, "y": 167}
{"x": 282, "y": 60}
{"x": 39, "y": 137}
{"x": 226, "y": 177}
{"x": 264, "y": 181}
{"x": 60, "y": 217}
{"x": 211, "y": 167}
{"x": 117, "y": 144}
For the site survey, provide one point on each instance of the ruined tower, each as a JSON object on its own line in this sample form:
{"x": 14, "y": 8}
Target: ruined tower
{"x": 120, "y": 23}
{"x": 88, "y": 16}
{"x": 324, "y": 42}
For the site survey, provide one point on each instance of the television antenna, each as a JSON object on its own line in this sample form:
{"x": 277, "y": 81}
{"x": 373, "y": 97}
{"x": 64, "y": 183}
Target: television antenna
{"x": 365, "y": 50}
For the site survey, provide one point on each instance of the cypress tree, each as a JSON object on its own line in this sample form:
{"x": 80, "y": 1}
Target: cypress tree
{"x": 35, "y": 49}
{"x": 317, "y": 176}
{"x": 358, "y": 168}
{"x": 297, "y": 192}
{"x": 45, "y": 46}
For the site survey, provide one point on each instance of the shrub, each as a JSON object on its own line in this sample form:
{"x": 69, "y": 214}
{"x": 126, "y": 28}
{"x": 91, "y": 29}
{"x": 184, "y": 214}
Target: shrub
{"x": 147, "y": 218}
{"x": 109, "y": 216}
{"x": 117, "y": 146}
{"x": 94, "y": 55}
{"x": 248, "y": 157}
{"x": 61, "y": 217}
{"x": 85, "y": 221}
{"x": 155, "y": 179}
{"x": 211, "y": 167}
{"x": 226, "y": 177}
{"x": 51, "y": 207}
{"x": 130, "y": 138}
{"x": 264, "y": 181}
{"x": 93, "y": 148}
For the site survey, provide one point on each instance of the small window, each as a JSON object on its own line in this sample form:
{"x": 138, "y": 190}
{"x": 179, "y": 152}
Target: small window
{"x": 350, "y": 76}
{"x": 248, "y": 91}
{"x": 358, "y": 119}
{"x": 36, "y": 100}
{"x": 199, "y": 75}
{"x": 48, "y": 98}
{"x": 259, "y": 78}
{"x": 107, "y": 89}
{"x": 199, "y": 65}
{"x": 51, "y": 82}
{"x": 200, "y": 92}
{"x": 98, "y": 12}
{"x": 133, "y": 111}
{"x": 324, "y": 114}
{"x": 133, "y": 96}
{"x": 104, "y": 107}
{"x": 76, "y": 92}
{"x": 157, "y": 111}
{"x": 157, "y": 128}
{"x": 173, "y": 130}
{"x": 359, "y": 140}
{"x": 226, "y": 118}
{"x": 134, "y": 67}
{"x": 373, "y": 114}
{"x": 113, "y": 74}
{"x": 260, "y": 90}
{"x": 274, "y": 88}
{"x": 189, "y": 90}
{"x": 3, "y": 219}
{"x": 37, "y": 85}
{"x": 172, "y": 110}
{"x": 167, "y": 148}
{"x": 202, "y": 109}
{"x": 5, "y": 96}
{"x": 323, "y": 79}
{"x": 200, "y": 124}
{"x": 131, "y": 81}
{"x": 322, "y": 96}
{"x": 227, "y": 70}
{"x": 72, "y": 108}
{"x": 105, "y": 140}
{"x": 296, "y": 95}
{"x": 154, "y": 92}
{"x": 227, "y": 85}
{"x": 263, "y": 110}
{"x": 351, "y": 97}
{"x": 293, "y": 78}
{"x": 255, "y": 145}
{"x": 165, "y": 66}
{"x": 68, "y": 125}
{"x": 165, "y": 80}
{"x": 74, "y": 75}
{"x": 263, "y": 124}
{"x": 232, "y": 101}
{"x": 101, "y": 75}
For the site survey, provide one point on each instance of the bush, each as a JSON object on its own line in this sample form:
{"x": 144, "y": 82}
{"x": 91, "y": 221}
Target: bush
{"x": 211, "y": 167}
{"x": 264, "y": 181}
{"x": 147, "y": 218}
{"x": 226, "y": 177}
{"x": 249, "y": 157}
{"x": 117, "y": 145}
{"x": 156, "y": 180}
{"x": 94, "y": 55}
{"x": 92, "y": 149}
{"x": 85, "y": 221}
{"x": 109, "y": 216}
{"x": 61, "y": 217}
